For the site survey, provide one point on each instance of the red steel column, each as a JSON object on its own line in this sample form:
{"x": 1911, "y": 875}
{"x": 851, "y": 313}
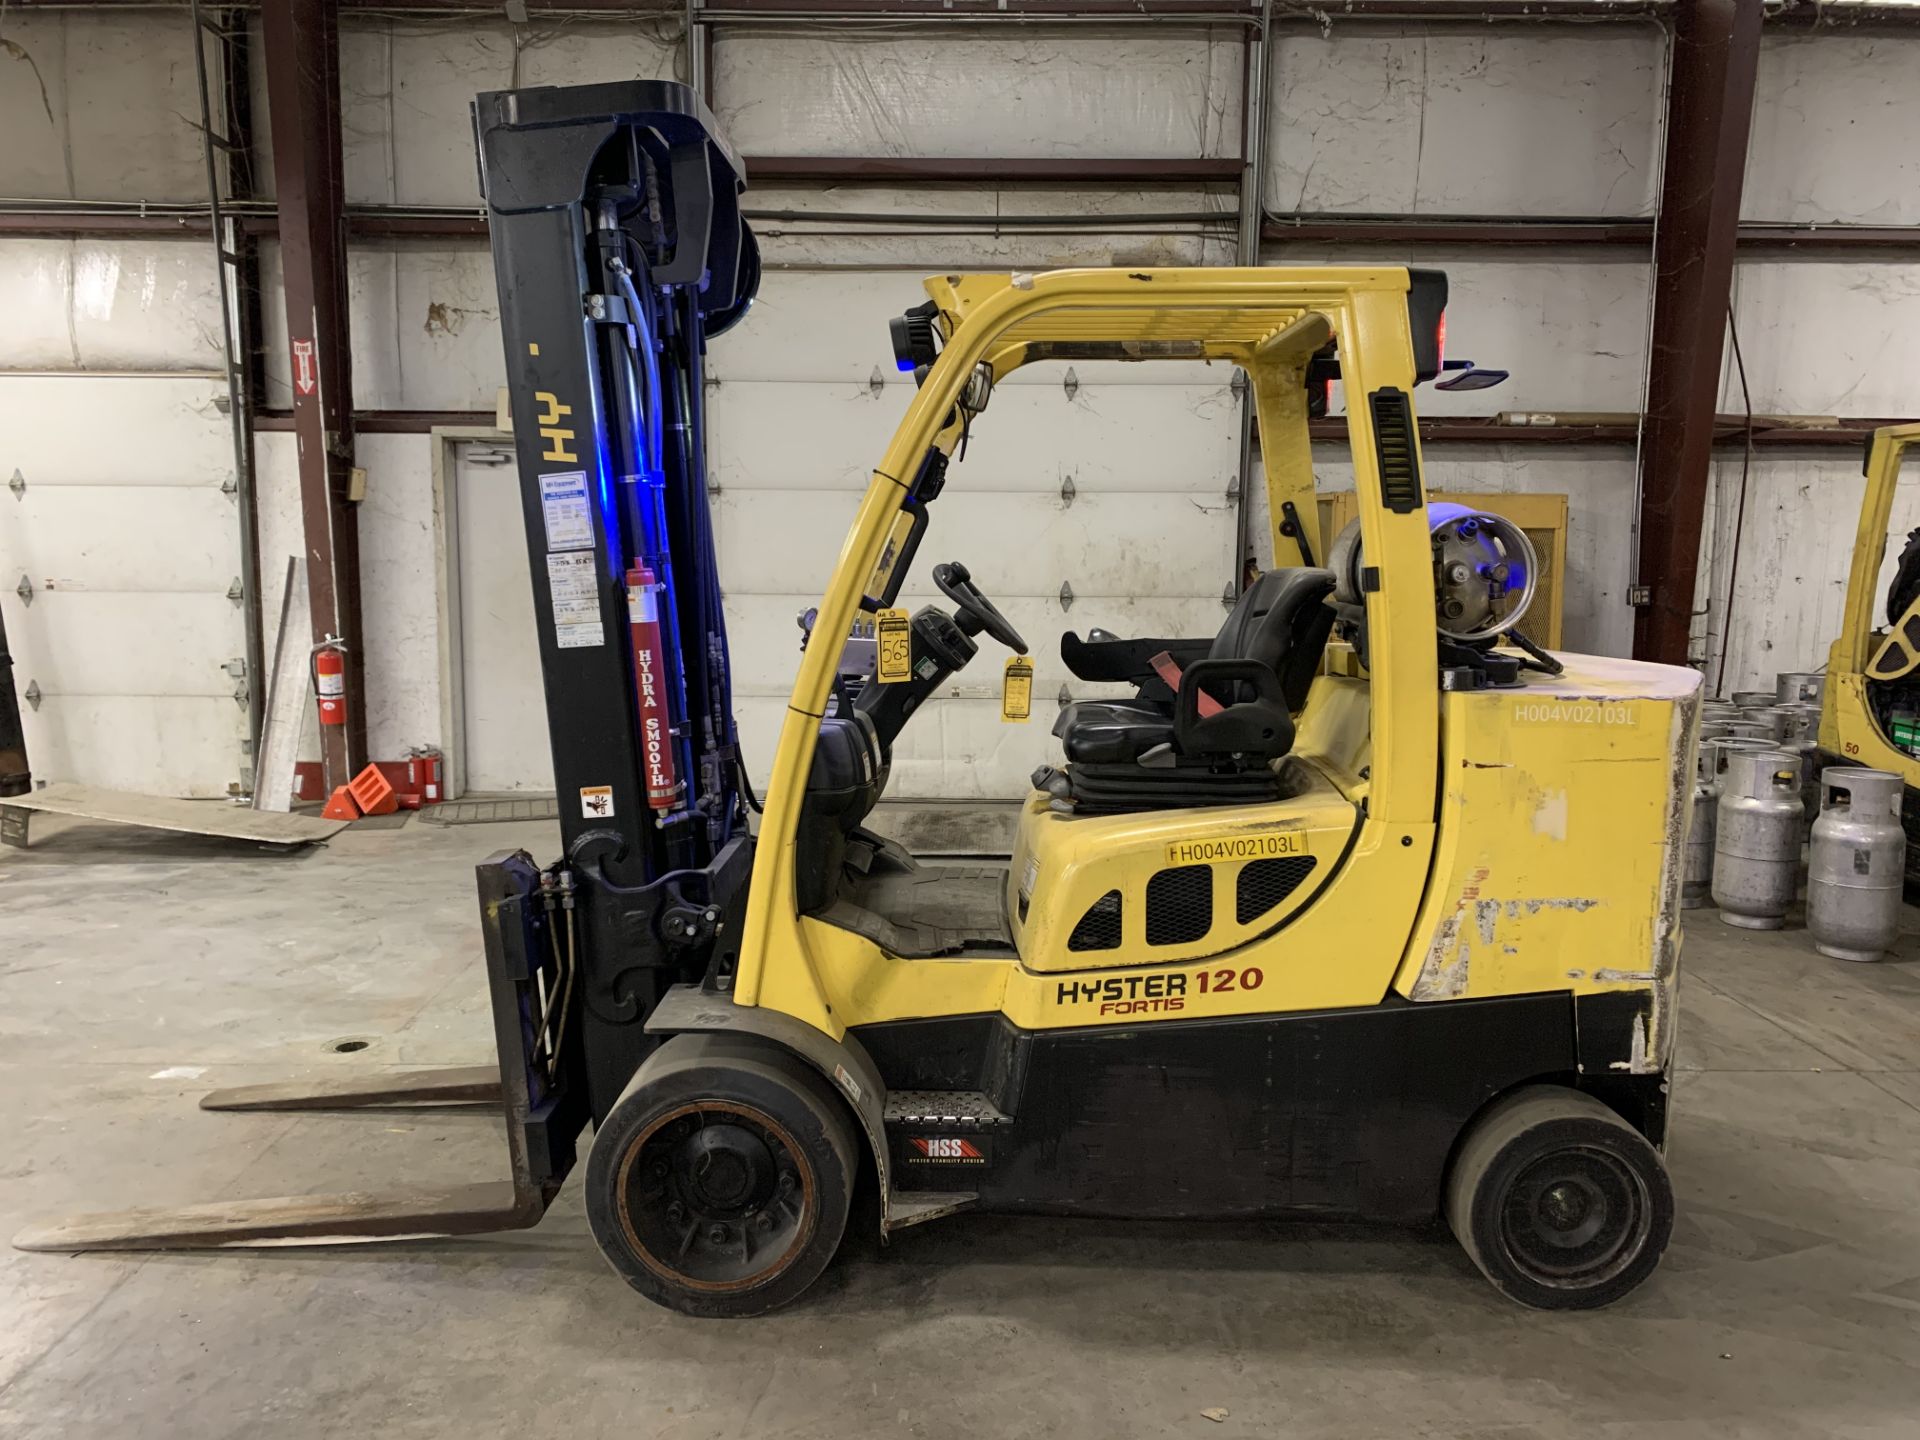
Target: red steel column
{"x": 302, "y": 45}
{"x": 1716, "y": 54}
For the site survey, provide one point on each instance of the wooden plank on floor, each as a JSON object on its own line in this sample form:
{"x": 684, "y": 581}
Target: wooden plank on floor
{"x": 191, "y": 817}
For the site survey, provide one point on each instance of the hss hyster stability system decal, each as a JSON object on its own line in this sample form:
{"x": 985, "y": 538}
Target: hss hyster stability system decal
{"x": 1156, "y": 994}
{"x": 944, "y": 1150}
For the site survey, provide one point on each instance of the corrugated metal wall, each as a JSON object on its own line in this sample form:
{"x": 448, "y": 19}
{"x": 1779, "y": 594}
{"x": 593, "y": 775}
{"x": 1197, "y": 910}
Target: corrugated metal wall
{"x": 1364, "y": 119}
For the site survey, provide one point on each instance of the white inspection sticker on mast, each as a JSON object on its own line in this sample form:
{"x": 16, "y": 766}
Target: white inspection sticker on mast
{"x": 563, "y": 502}
{"x": 576, "y": 600}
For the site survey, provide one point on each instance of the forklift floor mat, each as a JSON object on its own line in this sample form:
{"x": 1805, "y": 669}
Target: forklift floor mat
{"x": 488, "y": 812}
{"x": 936, "y": 910}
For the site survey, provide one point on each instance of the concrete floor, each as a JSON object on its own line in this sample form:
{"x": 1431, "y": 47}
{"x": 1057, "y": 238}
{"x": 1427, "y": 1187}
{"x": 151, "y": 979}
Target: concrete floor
{"x": 138, "y": 970}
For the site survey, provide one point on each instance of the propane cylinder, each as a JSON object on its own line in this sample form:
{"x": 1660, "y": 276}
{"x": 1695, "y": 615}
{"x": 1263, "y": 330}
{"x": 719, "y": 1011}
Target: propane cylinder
{"x": 1800, "y": 687}
{"x": 1797, "y": 728}
{"x": 1696, "y": 884}
{"x": 1756, "y": 847}
{"x": 1855, "y": 867}
{"x": 1749, "y": 699}
{"x": 1712, "y": 730}
{"x": 1696, "y": 889}
{"x": 1749, "y": 729}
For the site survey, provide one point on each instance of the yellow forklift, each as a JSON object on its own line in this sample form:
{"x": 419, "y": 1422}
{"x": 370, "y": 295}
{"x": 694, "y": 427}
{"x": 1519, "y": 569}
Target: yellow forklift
{"x": 1870, "y": 709}
{"x": 1345, "y": 911}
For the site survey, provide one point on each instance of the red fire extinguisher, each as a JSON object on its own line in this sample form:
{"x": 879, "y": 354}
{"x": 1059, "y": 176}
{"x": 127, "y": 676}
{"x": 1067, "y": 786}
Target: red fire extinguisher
{"x": 330, "y": 681}
{"x": 650, "y": 687}
{"x": 423, "y": 775}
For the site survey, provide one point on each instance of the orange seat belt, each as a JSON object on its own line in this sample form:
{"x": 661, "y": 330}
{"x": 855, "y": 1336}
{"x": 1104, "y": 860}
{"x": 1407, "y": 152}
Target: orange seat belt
{"x": 1164, "y": 666}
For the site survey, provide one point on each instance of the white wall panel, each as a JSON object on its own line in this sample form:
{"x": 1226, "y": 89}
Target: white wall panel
{"x": 1465, "y": 120}
{"x": 818, "y": 325}
{"x": 987, "y": 245}
{"x": 99, "y": 106}
{"x": 1796, "y": 545}
{"x": 406, "y": 89}
{"x": 1834, "y": 117}
{"x": 1827, "y": 338}
{"x": 778, "y": 435}
{"x": 1145, "y": 543}
{"x": 425, "y": 322}
{"x": 398, "y": 596}
{"x": 405, "y": 85}
{"x": 117, "y": 304}
{"x": 1103, "y": 545}
{"x": 276, "y": 502}
{"x": 1115, "y": 93}
{"x": 1572, "y": 330}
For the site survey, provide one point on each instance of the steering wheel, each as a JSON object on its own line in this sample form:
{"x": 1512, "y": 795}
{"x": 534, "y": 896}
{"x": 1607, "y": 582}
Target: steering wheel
{"x": 957, "y": 585}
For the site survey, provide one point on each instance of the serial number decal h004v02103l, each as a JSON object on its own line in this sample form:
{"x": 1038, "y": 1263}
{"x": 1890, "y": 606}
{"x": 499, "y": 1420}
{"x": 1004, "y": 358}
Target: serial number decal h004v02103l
{"x": 1573, "y": 712}
{"x": 1253, "y": 845}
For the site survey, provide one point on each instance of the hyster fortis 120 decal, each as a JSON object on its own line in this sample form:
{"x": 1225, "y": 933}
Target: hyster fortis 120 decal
{"x": 1155, "y": 994}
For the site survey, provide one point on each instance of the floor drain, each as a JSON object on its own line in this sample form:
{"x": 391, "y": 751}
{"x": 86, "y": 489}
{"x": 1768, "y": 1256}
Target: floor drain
{"x": 347, "y": 1047}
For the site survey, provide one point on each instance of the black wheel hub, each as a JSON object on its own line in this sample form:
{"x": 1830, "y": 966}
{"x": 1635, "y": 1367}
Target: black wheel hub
{"x": 1575, "y": 1217}
{"x": 715, "y": 1196}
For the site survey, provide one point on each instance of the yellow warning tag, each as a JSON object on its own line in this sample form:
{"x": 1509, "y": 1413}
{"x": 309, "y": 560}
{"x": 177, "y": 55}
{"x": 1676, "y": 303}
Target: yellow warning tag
{"x": 1016, "y": 690}
{"x": 895, "y": 631}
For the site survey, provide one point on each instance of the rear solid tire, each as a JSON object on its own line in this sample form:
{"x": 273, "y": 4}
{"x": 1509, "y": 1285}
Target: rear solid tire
{"x": 719, "y": 1184}
{"x": 1561, "y": 1203}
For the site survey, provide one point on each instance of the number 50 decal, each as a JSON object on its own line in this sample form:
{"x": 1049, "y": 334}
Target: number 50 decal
{"x": 1219, "y": 982}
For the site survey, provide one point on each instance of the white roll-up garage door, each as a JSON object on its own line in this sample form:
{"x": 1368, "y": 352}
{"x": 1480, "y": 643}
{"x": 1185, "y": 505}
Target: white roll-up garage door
{"x": 119, "y": 571}
{"x": 1091, "y": 495}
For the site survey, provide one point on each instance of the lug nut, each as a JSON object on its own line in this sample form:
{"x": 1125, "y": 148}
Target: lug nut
{"x": 763, "y": 1221}
{"x": 676, "y": 1212}
{"x": 717, "y": 1234}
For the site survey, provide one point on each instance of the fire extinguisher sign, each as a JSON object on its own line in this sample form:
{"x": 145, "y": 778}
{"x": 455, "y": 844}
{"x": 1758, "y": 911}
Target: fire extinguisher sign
{"x": 305, "y": 377}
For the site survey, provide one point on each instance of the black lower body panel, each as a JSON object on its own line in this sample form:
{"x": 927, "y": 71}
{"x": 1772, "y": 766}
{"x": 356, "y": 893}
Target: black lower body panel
{"x": 1348, "y": 1113}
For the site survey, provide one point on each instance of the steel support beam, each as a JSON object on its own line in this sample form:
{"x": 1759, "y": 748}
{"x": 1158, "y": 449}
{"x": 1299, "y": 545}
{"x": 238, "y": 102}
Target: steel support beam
{"x": 988, "y": 170}
{"x": 302, "y": 45}
{"x": 1716, "y": 55}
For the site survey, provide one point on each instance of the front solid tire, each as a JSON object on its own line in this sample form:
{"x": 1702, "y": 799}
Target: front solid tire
{"x": 1561, "y": 1203}
{"x": 720, "y": 1182}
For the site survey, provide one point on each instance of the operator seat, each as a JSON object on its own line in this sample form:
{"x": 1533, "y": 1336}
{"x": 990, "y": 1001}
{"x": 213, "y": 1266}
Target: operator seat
{"x": 1215, "y": 742}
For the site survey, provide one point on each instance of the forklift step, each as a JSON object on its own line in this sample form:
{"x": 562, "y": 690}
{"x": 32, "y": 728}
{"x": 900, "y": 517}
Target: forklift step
{"x": 943, "y": 1107}
{"x": 916, "y": 1207}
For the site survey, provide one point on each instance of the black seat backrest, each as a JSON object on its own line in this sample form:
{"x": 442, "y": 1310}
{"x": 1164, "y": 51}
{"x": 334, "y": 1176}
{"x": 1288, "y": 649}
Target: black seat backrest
{"x": 1281, "y": 620}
